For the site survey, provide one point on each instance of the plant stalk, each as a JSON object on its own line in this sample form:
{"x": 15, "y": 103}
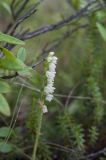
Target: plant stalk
{"x": 38, "y": 134}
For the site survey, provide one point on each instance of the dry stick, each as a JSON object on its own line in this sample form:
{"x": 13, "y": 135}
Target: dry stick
{"x": 22, "y": 7}
{"x": 22, "y": 19}
{"x": 52, "y": 27}
{"x": 18, "y": 22}
{"x": 11, "y": 28}
{"x": 15, "y": 15}
{"x": 59, "y": 24}
{"x": 28, "y": 14}
{"x": 94, "y": 155}
{"x": 42, "y": 30}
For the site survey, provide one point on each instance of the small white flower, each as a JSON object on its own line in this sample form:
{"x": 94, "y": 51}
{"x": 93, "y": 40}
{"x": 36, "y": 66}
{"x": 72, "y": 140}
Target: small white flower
{"x": 54, "y": 59}
{"x": 50, "y": 75}
{"x": 44, "y": 108}
{"x": 49, "y": 89}
{"x": 49, "y": 97}
{"x": 51, "y": 53}
{"x": 52, "y": 67}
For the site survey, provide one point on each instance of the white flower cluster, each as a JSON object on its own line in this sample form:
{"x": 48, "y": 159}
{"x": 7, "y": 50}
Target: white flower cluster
{"x": 50, "y": 74}
{"x": 44, "y": 109}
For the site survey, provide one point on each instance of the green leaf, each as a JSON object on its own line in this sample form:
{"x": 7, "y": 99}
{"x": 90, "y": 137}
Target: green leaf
{"x": 102, "y": 30}
{"x": 5, "y": 147}
{"x": 10, "y": 39}
{"x": 26, "y": 72}
{"x": 4, "y": 107}
{"x": 21, "y": 54}
{"x": 4, "y": 87}
{"x": 4, "y": 131}
{"x": 10, "y": 62}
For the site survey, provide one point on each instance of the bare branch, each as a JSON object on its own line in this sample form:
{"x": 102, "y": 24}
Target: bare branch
{"x": 22, "y": 7}
{"x": 94, "y": 155}
{"x": 82, "y": 12}
{"x": 15, "y": 15}
{"x": 20, "y": 20}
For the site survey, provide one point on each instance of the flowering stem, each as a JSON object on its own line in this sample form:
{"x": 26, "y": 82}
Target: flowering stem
{"x": 48, "y": 92}
{"x": 38, "y": 134}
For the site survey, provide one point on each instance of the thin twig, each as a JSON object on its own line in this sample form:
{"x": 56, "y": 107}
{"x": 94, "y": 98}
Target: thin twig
{"x": 22, "y": 19}
{"x": 59, "y": 24}
{"x": 70, "y": 94}
{"x": 22, "y": 7}
{"x": 60, "y": 146}
{"x": 15, "y": 15}
{"x": 78, "y": 97}
{"x": 94, "y": 155}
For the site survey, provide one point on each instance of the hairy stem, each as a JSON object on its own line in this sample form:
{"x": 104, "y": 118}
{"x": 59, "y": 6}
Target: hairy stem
{"x": 38, "y": 134}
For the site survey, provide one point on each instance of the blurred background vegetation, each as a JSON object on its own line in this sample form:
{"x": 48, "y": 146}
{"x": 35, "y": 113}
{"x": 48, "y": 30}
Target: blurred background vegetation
{"x": 75, "y": 126}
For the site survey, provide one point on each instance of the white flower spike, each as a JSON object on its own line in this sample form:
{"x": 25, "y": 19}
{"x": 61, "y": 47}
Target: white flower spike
{"x": 50, "y": 75}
